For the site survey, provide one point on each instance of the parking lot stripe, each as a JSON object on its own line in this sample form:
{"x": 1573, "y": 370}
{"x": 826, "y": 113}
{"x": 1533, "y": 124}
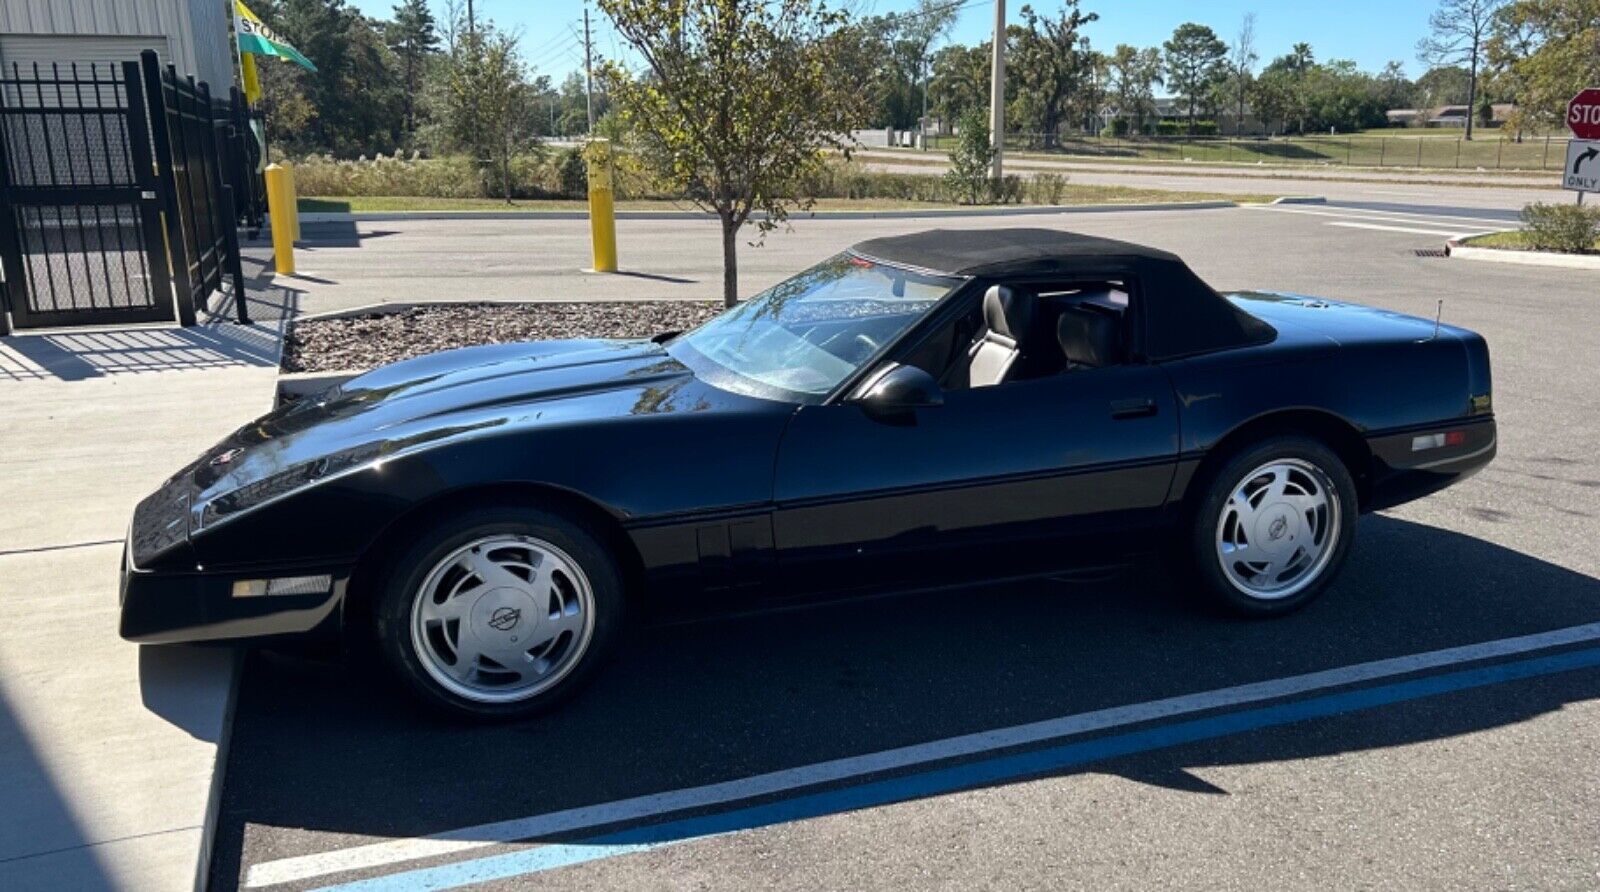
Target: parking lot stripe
{"x": 365, "y": 857}
{"x": 1357, "y": 213}
{"x": 1438, "y": 232}
{"x": 1001, "y": 769}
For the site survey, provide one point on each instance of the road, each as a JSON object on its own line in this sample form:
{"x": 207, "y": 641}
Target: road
{"x": 1434, "y": 188}
{"x": 1403, "y": 731}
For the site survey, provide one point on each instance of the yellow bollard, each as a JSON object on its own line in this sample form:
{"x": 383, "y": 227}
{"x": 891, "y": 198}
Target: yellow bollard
{"x": 602, "y": 213}
{"x": 280, "y": 205}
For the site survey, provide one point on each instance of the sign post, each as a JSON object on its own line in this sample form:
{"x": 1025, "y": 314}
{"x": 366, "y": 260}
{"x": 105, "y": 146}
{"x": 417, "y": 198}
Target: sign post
{"x": 1581, "y": 173}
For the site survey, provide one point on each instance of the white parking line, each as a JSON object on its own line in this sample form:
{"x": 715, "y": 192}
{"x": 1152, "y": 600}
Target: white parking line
{"x": 303, "y": 867}
{"x": 1443, "y": 232}
{"x": 1367, "y": 214}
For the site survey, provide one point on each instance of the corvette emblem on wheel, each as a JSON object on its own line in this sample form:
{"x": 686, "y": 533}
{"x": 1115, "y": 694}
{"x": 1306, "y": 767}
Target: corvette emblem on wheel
{"x": 1278, "y": 528}
{"x": 505, "y": 619}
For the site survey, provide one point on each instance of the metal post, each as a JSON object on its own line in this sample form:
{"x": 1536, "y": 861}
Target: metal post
{"x": 167, "y": 186}
{"x": 1545, "y": 160}
{"x": 588, "y": 69}
{"x": 1499, "y": 150}
{"x": 1419, "y": 151}
{"x": 1383, "y": 147}
{"x": 602, "y": 216}
{"x": 279, "y": 198}
{"x": 997, "y": 90}
{"x": 1458, "y": 153}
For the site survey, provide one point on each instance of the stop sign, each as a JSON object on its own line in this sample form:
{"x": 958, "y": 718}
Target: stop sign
{"x": 1583, "y": 114}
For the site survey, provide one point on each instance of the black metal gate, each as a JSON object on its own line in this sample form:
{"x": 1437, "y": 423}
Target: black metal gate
{"x": 80, "y": 227}
{"x": 117, "y": 194}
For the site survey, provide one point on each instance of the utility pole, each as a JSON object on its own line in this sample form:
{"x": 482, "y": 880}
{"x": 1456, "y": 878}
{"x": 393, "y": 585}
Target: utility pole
{"x": 997, "y": 88}
{"x": 588, "y": 69}
{"x": 472, "y": 22}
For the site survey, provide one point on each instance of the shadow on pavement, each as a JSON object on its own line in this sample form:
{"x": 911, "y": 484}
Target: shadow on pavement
{"x": 317, "y": 749}
{"x": 216, "y": 342}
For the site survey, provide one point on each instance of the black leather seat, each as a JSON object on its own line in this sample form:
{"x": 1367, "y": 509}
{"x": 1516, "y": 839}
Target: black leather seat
{"x": 1090, "y": 339}
{"x": 1007, "y": 316}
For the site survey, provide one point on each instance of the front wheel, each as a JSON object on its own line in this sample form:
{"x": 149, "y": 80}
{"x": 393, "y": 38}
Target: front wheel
{"x": 500, "y": 612}
{"x": 1274, "y": 526}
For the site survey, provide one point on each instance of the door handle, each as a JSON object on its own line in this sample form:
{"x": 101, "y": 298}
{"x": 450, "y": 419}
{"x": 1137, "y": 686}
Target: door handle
{"x": 1139, "y": 407}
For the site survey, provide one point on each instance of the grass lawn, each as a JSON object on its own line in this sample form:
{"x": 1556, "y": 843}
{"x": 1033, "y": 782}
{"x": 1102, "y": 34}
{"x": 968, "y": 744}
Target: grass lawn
{"x": 1073, "y": 194}
{"x": 1516, "y": 240}
{"x": 1408, "y": 149}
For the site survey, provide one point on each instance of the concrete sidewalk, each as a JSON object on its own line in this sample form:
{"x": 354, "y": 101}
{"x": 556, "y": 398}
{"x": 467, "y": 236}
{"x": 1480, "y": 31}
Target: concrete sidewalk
{"x": 107, "y": 750}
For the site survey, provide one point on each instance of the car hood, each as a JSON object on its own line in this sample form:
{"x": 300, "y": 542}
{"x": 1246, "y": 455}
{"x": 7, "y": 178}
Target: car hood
{"x": 424, "y": 402}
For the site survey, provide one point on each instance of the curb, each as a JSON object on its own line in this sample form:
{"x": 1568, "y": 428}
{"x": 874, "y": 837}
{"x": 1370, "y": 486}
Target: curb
{"x": 1455, "y": 249}
{"x": 1299, "y": 199}
{"x": 316, "y": 217}
{"x": 219, "y": 770}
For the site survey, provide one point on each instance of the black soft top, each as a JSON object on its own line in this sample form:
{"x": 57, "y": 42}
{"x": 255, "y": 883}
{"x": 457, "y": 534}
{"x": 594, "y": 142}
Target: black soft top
{"x": 1183, "y": 315}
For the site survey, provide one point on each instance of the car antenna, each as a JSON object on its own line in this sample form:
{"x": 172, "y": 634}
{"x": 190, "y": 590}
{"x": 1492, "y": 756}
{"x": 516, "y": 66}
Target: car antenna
{"x": 1438, "y": 315}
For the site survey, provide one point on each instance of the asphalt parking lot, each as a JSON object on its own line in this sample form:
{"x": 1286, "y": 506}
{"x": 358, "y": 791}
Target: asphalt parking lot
{"x": 1428, "y": 723}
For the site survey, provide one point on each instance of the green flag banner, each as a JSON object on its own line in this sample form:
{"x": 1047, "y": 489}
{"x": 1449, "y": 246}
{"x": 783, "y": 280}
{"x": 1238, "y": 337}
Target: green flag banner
{"x": 255, "y": 37}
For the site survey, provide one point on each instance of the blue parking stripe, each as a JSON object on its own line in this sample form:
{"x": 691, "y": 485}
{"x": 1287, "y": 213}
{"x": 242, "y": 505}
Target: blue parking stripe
{"x": 957, "y": 777}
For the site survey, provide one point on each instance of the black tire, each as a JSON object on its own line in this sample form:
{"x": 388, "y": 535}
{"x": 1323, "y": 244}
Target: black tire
{"x": 1203, "y": 551}
{"x": 399, "y": 597}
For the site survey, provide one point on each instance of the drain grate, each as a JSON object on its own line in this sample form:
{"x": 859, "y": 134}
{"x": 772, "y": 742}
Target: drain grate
{"x": 1432, "y": 252}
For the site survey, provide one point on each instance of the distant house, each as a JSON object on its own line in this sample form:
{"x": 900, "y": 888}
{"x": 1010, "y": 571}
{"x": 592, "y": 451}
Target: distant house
{"x": 1447, "y": 116}
{"x": 1171, "y": 108}
{"x": 191, "y": 35}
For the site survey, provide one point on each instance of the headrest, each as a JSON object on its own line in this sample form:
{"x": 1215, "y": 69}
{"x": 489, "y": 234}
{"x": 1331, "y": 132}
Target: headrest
{"x": 1007, "y": 312}
{"x": 1088, "y": 338}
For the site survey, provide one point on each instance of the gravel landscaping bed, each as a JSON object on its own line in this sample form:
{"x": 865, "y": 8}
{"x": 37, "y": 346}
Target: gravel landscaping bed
{"x": 364, "y": 342}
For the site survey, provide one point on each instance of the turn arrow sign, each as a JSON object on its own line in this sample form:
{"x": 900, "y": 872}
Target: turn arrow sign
{"x": 1591, "y": 153}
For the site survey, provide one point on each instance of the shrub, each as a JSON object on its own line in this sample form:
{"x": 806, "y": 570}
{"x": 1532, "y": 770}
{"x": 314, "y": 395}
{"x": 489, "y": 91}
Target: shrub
{"x": 572, "y": 173}
{"x": 968, "y": 176}
{"x": 1047, "y": 188}
{"x": 1568, "y": 228}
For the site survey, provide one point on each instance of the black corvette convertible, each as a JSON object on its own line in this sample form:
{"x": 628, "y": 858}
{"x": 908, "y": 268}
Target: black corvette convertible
{"x": 923, "y": 410}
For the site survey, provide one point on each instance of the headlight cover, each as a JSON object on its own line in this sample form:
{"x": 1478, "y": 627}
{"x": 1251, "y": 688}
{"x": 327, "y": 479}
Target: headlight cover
{"x": 222, "y": 508}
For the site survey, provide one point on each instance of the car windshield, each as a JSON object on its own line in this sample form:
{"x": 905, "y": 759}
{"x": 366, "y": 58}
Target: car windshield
{"x": 807, "y": 334}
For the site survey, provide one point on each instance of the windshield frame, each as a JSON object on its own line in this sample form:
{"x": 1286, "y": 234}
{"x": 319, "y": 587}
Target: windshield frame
{"x": 726, "y": 378}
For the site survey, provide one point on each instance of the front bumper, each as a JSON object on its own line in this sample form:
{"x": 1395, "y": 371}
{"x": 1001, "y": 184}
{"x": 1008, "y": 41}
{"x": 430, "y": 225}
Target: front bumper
{"x": 168, "y": 607}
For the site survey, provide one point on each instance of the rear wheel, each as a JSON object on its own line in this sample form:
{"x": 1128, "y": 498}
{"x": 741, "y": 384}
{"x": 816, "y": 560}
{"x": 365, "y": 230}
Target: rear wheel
{"x": 500, "y": 612}
{"x": 1274, "y": 526}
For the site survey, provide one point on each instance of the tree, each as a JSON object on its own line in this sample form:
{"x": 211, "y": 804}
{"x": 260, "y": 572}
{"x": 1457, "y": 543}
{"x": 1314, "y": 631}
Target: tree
{"x": 738, "y": 101}
{"x": 1134, "y": 75}
{"x": 1052, "y": 65}
{"x": 1542, "y": 53}
{"x": 412, "y": 38}
{"x": 1284, "y": 84}
{"x": 488, "y": 98}
{"x": 1442, "y": 86}
{"x": 1459, "y": 30}
{"x": 351, "y": 104}
{"x": 960, "y": 80}
{"x": 920, "y": 28}
{"x": 968, "y": 175}
{"x": 1241, "y": 66}
{"x": 1194, "y": 58}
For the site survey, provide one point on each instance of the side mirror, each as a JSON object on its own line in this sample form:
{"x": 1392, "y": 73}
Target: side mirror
{"x": 900, "y": 388}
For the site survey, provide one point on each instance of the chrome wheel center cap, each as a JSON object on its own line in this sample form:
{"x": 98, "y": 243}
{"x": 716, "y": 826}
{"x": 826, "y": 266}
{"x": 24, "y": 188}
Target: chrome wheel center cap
{"x": 503, "y": 616}
{"x": 1278, "y": 529}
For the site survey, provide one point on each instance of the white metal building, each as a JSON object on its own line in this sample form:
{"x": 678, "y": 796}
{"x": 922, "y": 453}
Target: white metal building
{"x": 191, "y": 35}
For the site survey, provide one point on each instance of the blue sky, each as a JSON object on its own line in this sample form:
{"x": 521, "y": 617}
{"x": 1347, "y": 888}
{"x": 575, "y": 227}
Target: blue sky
{"x": 1371, "y": 32}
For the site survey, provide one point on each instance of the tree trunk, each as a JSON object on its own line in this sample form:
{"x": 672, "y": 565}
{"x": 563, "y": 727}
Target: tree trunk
{"x": 1472, "y": 87}
{"x": 730, "y": 261}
